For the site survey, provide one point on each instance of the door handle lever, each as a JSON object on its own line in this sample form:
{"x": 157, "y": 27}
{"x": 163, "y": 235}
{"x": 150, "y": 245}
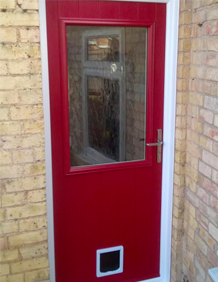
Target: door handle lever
{"x": 159, "y": 144}
{"x": 155, "y": 144}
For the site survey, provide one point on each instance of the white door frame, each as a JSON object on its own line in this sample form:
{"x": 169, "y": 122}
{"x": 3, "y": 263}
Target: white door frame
{"x": 169, "y": 133}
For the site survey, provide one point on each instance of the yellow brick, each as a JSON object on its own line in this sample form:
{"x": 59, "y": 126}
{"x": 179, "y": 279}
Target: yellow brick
{"x": 34, "y": 126}
{"x": 33, "y": 96}
{"x": 193, "y": 149}
{"x": 193, "y": 136}
{"x": 192, "y": 161}
{"x": 179, "y": 179}
{"x": 35, "y": 66}
{"x": 19, "y": 18}
{"x": 179, "y": 169}
{"x": 13, "y": 278}
{"x": 182, "y": 98}
{"x": 14, "y": 52}
{"x": 10, "y": 171}
{"x": 177, "y": 191}
{"x": 4, "y": 114}
{"x": 184, "y": 45}
{"x": 21, "y": 112}
{"x": 185, "y": 17}
{"x": 192, "y": 210}
{"x": 13, "y": 199}
{"x": 34, "y": 251}
{"x": 184, "y": 32}
{"x": 22, "y": 141}
{"x": 5, "y": 157}
{"x": 8, "y": 128}
{"x": 181, "y": 121}
{"x": 27, "y": 238}
{"x": 28, "y": 183}
{"x": 180, "y": 145}
{"x": 23, "y": 156}
{"x": 182, "y": 84}
{"x": 37, "y": 275}
{"x": 192, "y": 112}
{"x": 201, "y": 245}
{"x": 26, "y": 211}
{"x": 33, "y": 223}
{"x": 8, "y": 97}
{"x": 191, "y": 232}
{"x": 29, "y": 35}
{"x": 180, "y": 134}
{"x": 19, "y": 67}
{"x": 194, "y": 71}
{"x": 7, "y": 4}
{"x": 30, "y": 5}
{"x": 8, "y": 34}
{"x": 191, "y": 244}
{"x": 192, "y": 173}
{"x": 4, "y": 269}
{"x": 36, "y": 196}
{"x": 3, "y": 68}
{"x": 8, "y": 227}
{"x": 180, "y": 157}
{"x": 177, "y": 212}
{"x": 181, "y": 110}
{"x": 197, "y": 126}
{"x": 191, "y": 184}
{"x": 39, "y": 154}
{"x": 193, "y": 223}
{"x": 206, "y": 143}
{"x": 34, "y": 169}
{"x": 3, "y": 243}
{"x": 20, "y": 82}
{"x": 196, "y": 99}
{"x": 2, "y": 214}
{"x": 38, "y": 111}
{"x": 29, "y": 265}
{"x": 8, "y": 255}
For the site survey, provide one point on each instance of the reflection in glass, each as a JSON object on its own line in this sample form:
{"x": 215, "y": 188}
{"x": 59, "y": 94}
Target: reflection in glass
{"x": 103, "y": 116}
{"x": 103, "y": 49}
{"x": 107, "y": 94}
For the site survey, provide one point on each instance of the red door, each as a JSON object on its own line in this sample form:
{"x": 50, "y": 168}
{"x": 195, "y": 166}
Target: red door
{"x": 106, "y": 68}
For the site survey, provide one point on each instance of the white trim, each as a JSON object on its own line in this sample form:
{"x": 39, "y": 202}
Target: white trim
{"x": 169, "y": 133}
{"x": 47, "y": 132}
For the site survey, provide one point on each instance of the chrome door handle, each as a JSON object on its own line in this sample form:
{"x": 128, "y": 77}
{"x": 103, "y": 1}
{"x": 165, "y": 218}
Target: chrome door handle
{"x": 159, "y": 143}
{"x": 154, "y": 144}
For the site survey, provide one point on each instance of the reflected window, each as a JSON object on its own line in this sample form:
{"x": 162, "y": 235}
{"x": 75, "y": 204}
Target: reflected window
{"x": 103, "y": 49}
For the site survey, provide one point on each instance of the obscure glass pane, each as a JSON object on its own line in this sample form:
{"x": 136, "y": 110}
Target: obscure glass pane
{"x": 103, "y": 49}
{"x": 107, "y": 94}
{"x": 103, "y": 116}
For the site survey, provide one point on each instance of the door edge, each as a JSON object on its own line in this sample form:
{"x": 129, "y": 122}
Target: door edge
{"x": 168, "y": 128}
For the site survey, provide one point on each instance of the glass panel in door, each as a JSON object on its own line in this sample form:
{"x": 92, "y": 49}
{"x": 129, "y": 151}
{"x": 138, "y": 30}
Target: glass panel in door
{"x": 107, "y": 94}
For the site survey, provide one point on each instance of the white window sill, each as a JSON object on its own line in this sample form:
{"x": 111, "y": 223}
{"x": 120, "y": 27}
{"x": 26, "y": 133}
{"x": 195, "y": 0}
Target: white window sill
{"x": 213, "y": 272}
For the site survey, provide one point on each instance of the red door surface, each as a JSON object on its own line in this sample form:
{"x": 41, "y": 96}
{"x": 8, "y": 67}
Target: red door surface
{"x": 106, "y": 71}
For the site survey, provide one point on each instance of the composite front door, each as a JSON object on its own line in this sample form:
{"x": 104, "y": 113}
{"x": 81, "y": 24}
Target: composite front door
{"x": 106, "y": 71}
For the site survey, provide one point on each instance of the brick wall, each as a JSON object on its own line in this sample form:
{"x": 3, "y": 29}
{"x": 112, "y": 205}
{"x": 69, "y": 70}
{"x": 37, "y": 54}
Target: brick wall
{"x": 23, "y": 231}
{"x": 195, "y": 215}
